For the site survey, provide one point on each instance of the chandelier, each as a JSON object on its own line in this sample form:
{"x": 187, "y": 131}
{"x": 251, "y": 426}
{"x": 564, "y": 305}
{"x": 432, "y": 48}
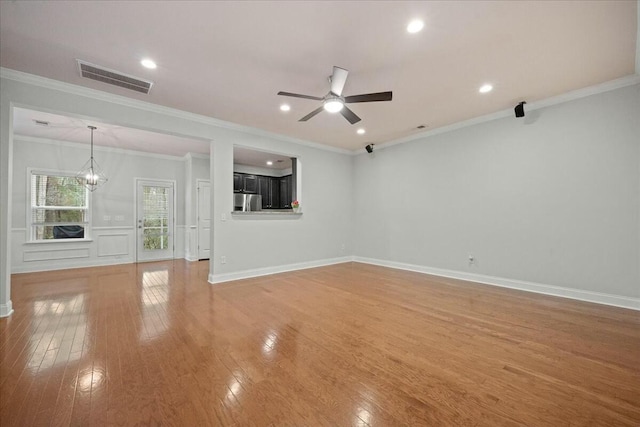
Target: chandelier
{"x": 91, "y": 175}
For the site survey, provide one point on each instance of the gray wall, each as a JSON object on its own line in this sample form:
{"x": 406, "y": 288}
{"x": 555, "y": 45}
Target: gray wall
{"x": 552, "y": 198}
{"x": 317, "y": 235}
{"x": 115, "y": 197}
{"x": 113, "y": 226}
{"x": 261, "y": 242}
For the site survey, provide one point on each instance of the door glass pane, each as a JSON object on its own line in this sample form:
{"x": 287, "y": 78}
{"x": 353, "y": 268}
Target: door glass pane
{"x": 155, "y": 220}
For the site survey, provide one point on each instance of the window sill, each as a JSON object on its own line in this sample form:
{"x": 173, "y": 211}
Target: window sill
{"x": 51, "y": 241}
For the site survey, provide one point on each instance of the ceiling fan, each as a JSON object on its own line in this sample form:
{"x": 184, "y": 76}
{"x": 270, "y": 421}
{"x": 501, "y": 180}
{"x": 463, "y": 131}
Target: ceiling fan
{"x": 334, "y": 102}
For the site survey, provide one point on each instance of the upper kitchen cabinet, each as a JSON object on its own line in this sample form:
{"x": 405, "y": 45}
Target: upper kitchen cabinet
{"x": 273, "y": 177}
{"x": 250, "y": 184}
{"x": 245, "y": 183}
{"x": 237, "y": 183}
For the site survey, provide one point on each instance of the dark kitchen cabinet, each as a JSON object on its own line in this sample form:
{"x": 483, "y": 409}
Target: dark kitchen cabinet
{"x": 285, "y": 192}
{"x": 244, "y": 183}
{"x": 250, "y": 184}
{"x": 269, "y": 189}
{"x": 238, "y": 183}
{"x": 276, "y": 192}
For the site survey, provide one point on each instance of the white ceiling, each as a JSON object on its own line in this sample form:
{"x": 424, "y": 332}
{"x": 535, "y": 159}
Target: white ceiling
{"x": 73, "y": 129}
{"x": 229, "y": 59}
{"x": 250, "y": 157}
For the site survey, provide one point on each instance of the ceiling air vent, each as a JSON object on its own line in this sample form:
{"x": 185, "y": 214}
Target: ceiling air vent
{"x": 113, "y": 77}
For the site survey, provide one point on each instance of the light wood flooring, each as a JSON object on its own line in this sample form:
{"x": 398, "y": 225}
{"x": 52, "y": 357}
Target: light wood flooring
{"x": 344, "y": 345}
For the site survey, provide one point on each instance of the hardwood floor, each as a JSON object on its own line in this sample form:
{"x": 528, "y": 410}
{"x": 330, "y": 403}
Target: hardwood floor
{"x": 350, "y": 344}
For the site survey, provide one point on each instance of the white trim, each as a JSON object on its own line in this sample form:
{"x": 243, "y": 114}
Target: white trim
{"x": 147, "y": 106}
{"x": 565, "y": 97}
{"x": 638, "y": 38}
{"x": 29, "y": 204}
{"x": 227, "y": 277}
{"x": 199, "y": 182}
{"x": 71, "y": 264}
{"x": 539, "y": 288}
{"x": 53, "y": 241}
{"x": 115, "y": 227}
{"x": 161, "y": 182}
{"x": 31, "y": 79}
{"x": 197, "y": 155}
{"x": 189, "y": 257}
{"x": 6, "y": 310}
{"x": 78, "y": 145}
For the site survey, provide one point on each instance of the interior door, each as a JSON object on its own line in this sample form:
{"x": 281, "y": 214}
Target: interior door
{"x": 204, "y": 220}
{"x": 155, "y": 227}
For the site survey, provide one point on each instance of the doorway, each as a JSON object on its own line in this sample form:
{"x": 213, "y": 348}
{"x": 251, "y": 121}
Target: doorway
{"x": 204, "y": 219}
{"x": 155, "y": 220}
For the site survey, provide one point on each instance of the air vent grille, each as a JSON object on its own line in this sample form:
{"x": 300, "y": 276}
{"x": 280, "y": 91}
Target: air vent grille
{"x": 112, "y": 77}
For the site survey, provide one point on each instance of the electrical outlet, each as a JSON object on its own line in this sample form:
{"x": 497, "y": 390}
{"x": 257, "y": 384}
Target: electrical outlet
{"x": 223, "y": 259}
{"x": 223, "y": 217}
{"x": 119, "y": 217}
{"x": 107, "y": 218}
{"x": 343, "y": 248}
{"x": 472, "y": 259}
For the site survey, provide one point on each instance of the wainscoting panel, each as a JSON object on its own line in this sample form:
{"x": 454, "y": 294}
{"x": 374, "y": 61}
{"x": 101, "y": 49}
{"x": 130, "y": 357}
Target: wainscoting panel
{"x": 113, "y": 244}
{"x": 107, "y": 246}
{"x": 54, "y": 254}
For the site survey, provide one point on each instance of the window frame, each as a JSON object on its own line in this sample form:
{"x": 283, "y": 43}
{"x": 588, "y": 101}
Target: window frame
{"x": 30, "y": 232}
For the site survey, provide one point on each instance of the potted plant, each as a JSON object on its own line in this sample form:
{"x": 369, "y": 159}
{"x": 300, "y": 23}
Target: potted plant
{"x": 295, "y": 205}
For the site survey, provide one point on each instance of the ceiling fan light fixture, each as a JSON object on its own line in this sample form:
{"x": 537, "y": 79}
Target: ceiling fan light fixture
{"x": 333, "y": 105}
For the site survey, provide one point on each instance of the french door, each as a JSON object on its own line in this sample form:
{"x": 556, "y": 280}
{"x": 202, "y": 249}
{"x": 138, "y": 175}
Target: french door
{"x": 155, "y": 227}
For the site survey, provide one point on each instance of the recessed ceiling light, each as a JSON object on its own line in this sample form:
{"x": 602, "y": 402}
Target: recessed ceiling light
{"x": 415, "y": 26}
{"x": 361, "y": 131}
{"x": 486, "y": 88}
{"x": 147, "y": 63}
{"x": 269, "y": 162}
{"x": 285, "y": 107}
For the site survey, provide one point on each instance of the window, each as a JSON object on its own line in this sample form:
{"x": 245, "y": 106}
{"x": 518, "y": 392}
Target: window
{"x": 59, "y": 206}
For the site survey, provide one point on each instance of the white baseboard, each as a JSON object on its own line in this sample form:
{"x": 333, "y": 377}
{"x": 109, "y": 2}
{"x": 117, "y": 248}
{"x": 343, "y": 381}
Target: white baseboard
{"x": 190, "y": 257}
{"x": 577, "y": 294}
{"x": 246, "y": 274}
{"x": 6, "y": 310}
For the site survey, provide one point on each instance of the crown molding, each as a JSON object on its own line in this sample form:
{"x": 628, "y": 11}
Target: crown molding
{"x": 22, "y": 77}
{"x": 196, "y": 156}
{"x": 638, "y": 38}
{"x": 32, "y": 79}
{"x": 559, "y": 99}
{"x": 79, "y": 145}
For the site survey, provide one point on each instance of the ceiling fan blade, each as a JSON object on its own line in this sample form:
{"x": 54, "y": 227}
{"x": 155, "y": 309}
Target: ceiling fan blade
{"x": 311, "y": 114}
{"x": 338, "y": 79}
{"x": 369, "y": 97}
{"x": 349, "y": 115}
{"x": 297, "y": 95}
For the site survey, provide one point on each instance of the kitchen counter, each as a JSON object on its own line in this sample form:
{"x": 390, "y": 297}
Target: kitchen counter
{"x": 266, "y": 213}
